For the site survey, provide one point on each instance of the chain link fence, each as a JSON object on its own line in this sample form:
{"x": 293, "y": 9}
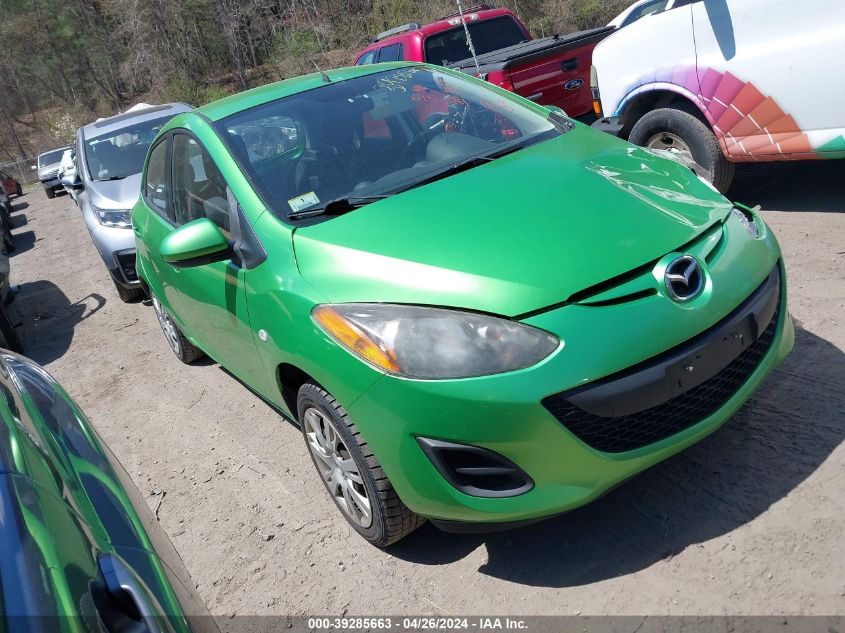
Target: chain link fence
{"x": 21, "y": 171}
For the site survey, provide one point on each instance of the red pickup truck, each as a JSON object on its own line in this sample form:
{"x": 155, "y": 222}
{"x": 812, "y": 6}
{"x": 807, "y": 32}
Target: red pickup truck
{"x": 551, "y": 70}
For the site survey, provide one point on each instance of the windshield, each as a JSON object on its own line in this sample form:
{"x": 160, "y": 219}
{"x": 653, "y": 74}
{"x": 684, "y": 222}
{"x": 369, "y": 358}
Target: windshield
{"x": 450, "y": 46}
{"x": 50, "y": 158}
{"x": 373, "y": 135}
{"x": 121, "y": 153}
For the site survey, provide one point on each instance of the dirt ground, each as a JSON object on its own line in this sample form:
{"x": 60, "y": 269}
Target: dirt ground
{"x": 749, "y": 521}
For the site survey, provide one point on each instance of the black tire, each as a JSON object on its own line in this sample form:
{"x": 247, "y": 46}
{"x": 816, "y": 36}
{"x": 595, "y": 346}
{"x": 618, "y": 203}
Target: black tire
{"x": 698, "y": 137}
{"x": 50, "y": 193}
{"x": 18, "y": 190}
{"x": 128, "y": 295}
{"x": 185, "y": 351}
{"x": 8, "y": 242}
{"x": 391, "y": 518}
{"x": 6, "y": 219}
{"x": 8, "y": 337}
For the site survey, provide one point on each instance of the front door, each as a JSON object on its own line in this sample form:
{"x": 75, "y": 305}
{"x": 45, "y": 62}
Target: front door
{"x": 211, "y": 298}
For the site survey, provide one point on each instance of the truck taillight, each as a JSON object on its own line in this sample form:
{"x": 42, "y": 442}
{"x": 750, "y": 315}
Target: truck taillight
{"x": 500, "y": 78}
{"x": 594, "y": 90}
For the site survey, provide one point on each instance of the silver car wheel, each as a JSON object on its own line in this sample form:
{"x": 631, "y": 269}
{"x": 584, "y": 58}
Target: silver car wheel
{"x": 671, "y": 142}
{"x": 337, "y": 467}
{"x": 167, "y": 326}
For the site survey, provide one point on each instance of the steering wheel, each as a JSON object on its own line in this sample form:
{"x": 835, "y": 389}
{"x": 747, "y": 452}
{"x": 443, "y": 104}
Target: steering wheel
{"x": 433, "y": 124}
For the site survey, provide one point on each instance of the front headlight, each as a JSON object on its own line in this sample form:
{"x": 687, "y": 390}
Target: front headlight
{"x": 118, "y": 218}
{"x": 747, "y": 219}
{"x": 433, "y": 343}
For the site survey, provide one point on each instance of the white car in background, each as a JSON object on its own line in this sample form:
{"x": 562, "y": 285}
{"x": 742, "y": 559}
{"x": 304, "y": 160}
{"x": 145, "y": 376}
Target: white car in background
{"x": 67, "y": 171}
{"x": 727, "y": 81}
{"x": 47, "y": 168}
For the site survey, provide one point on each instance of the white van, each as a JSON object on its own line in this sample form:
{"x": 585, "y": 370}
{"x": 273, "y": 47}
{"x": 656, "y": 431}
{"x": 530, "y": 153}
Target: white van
{"x": 726, "y": 81}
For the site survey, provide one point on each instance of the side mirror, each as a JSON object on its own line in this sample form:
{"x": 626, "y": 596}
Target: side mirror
{"x": 195, "y": 244}
{"x": 71, "y": 182}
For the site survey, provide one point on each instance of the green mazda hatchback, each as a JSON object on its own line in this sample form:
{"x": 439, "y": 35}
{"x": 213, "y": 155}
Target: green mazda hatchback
{"x": 479, "y": 311}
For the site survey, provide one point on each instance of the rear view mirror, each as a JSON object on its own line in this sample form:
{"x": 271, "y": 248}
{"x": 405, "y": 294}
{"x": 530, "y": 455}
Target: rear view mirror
{"x": 71, "y": 182}
{"x": 195, "y": 244}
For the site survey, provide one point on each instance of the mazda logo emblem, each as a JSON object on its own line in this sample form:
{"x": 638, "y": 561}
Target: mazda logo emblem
{"x": 684, "y": 278}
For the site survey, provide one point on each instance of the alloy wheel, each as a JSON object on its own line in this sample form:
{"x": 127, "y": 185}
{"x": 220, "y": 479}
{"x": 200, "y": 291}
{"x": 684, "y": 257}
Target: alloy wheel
{"x": 167, "y": 326}
{"x": 337, "y": 467}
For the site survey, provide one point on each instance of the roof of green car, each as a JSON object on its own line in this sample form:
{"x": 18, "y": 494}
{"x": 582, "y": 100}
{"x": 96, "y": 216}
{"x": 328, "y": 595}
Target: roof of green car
{"x": 222, "y": 108}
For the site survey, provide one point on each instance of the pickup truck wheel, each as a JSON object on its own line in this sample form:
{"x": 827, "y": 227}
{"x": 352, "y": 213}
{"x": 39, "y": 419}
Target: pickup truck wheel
{"x": 670, "y": 128}
{"x": 350, "y": 472}
{"x": 18, "y": 190}
{"x": 50, "y": 193}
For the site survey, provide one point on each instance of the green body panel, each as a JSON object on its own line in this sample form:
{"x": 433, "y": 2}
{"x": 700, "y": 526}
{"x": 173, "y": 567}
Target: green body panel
{"x": 518, "y": 234}
{"x": 519, "y": 237}
{"x": 66, "y": 501}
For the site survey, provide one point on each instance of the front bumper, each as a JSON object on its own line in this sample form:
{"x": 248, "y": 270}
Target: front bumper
{"x": 116, "y": 247}
{"x": 510, "y": 413}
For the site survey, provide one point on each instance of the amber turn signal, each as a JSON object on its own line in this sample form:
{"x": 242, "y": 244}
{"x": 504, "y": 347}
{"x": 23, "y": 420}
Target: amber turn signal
{"x": 350, "y": 336}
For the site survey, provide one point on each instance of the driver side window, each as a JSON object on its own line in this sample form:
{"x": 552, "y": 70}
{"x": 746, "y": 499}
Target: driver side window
{"x": 199, "y": 189}
{"x": 155, "y": 187}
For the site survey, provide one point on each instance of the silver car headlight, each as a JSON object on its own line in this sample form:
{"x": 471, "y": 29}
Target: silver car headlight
{"x": 117, "y": 218}
{"x": 433, "y": 343}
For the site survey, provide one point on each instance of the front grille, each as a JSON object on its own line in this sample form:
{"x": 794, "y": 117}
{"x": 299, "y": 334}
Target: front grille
{"x": 126, "y": 262}
{"x": 629, "y": 432}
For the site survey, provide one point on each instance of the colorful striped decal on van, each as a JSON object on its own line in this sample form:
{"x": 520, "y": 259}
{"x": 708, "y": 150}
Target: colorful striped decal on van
{"x": 748, "y": 124}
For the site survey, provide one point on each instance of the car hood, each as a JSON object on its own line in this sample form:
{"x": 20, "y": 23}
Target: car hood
{"x": 46, "y": 169}
{"x": 518, "y": 234}
{"x": 115, "y": 194}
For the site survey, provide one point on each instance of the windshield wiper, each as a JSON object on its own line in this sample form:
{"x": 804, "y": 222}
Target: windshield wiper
{"x": 338, "y": 206}
{"x": 110, "y": 178}
{"x": 465, "y": 165}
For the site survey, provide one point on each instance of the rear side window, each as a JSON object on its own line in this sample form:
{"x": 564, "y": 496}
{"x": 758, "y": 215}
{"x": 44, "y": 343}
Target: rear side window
{"x": 488, "y": 35}
{"x": 646, "y": 9}
{"x": 369, "y": 58}
{"x": 392, "y": 53}
{"x": 199, "y": 189}
{"x": 155, "y": 189}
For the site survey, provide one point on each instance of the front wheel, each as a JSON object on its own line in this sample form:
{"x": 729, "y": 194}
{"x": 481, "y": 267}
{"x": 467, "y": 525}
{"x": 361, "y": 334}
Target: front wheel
{"x": 185, "y": 351}
{"x": 18, "y": 190}
{"x": 50, "y": 193}
{"x": 350, "y": 472}
{"x": 679, "y": 131}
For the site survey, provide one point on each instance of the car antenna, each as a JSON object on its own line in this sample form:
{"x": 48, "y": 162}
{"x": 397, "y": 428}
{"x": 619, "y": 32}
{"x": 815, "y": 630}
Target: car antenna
{"x": 325, "y": 77}
{"x": 469, "y": 38}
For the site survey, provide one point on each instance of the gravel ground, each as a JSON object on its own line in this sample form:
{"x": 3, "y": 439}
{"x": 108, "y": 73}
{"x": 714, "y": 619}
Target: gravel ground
{"x": 749, "y": 521}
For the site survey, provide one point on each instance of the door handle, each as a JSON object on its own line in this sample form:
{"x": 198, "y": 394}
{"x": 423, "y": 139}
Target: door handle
{"x": 569, "y": 64}
{"x": 128, "y": 595}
